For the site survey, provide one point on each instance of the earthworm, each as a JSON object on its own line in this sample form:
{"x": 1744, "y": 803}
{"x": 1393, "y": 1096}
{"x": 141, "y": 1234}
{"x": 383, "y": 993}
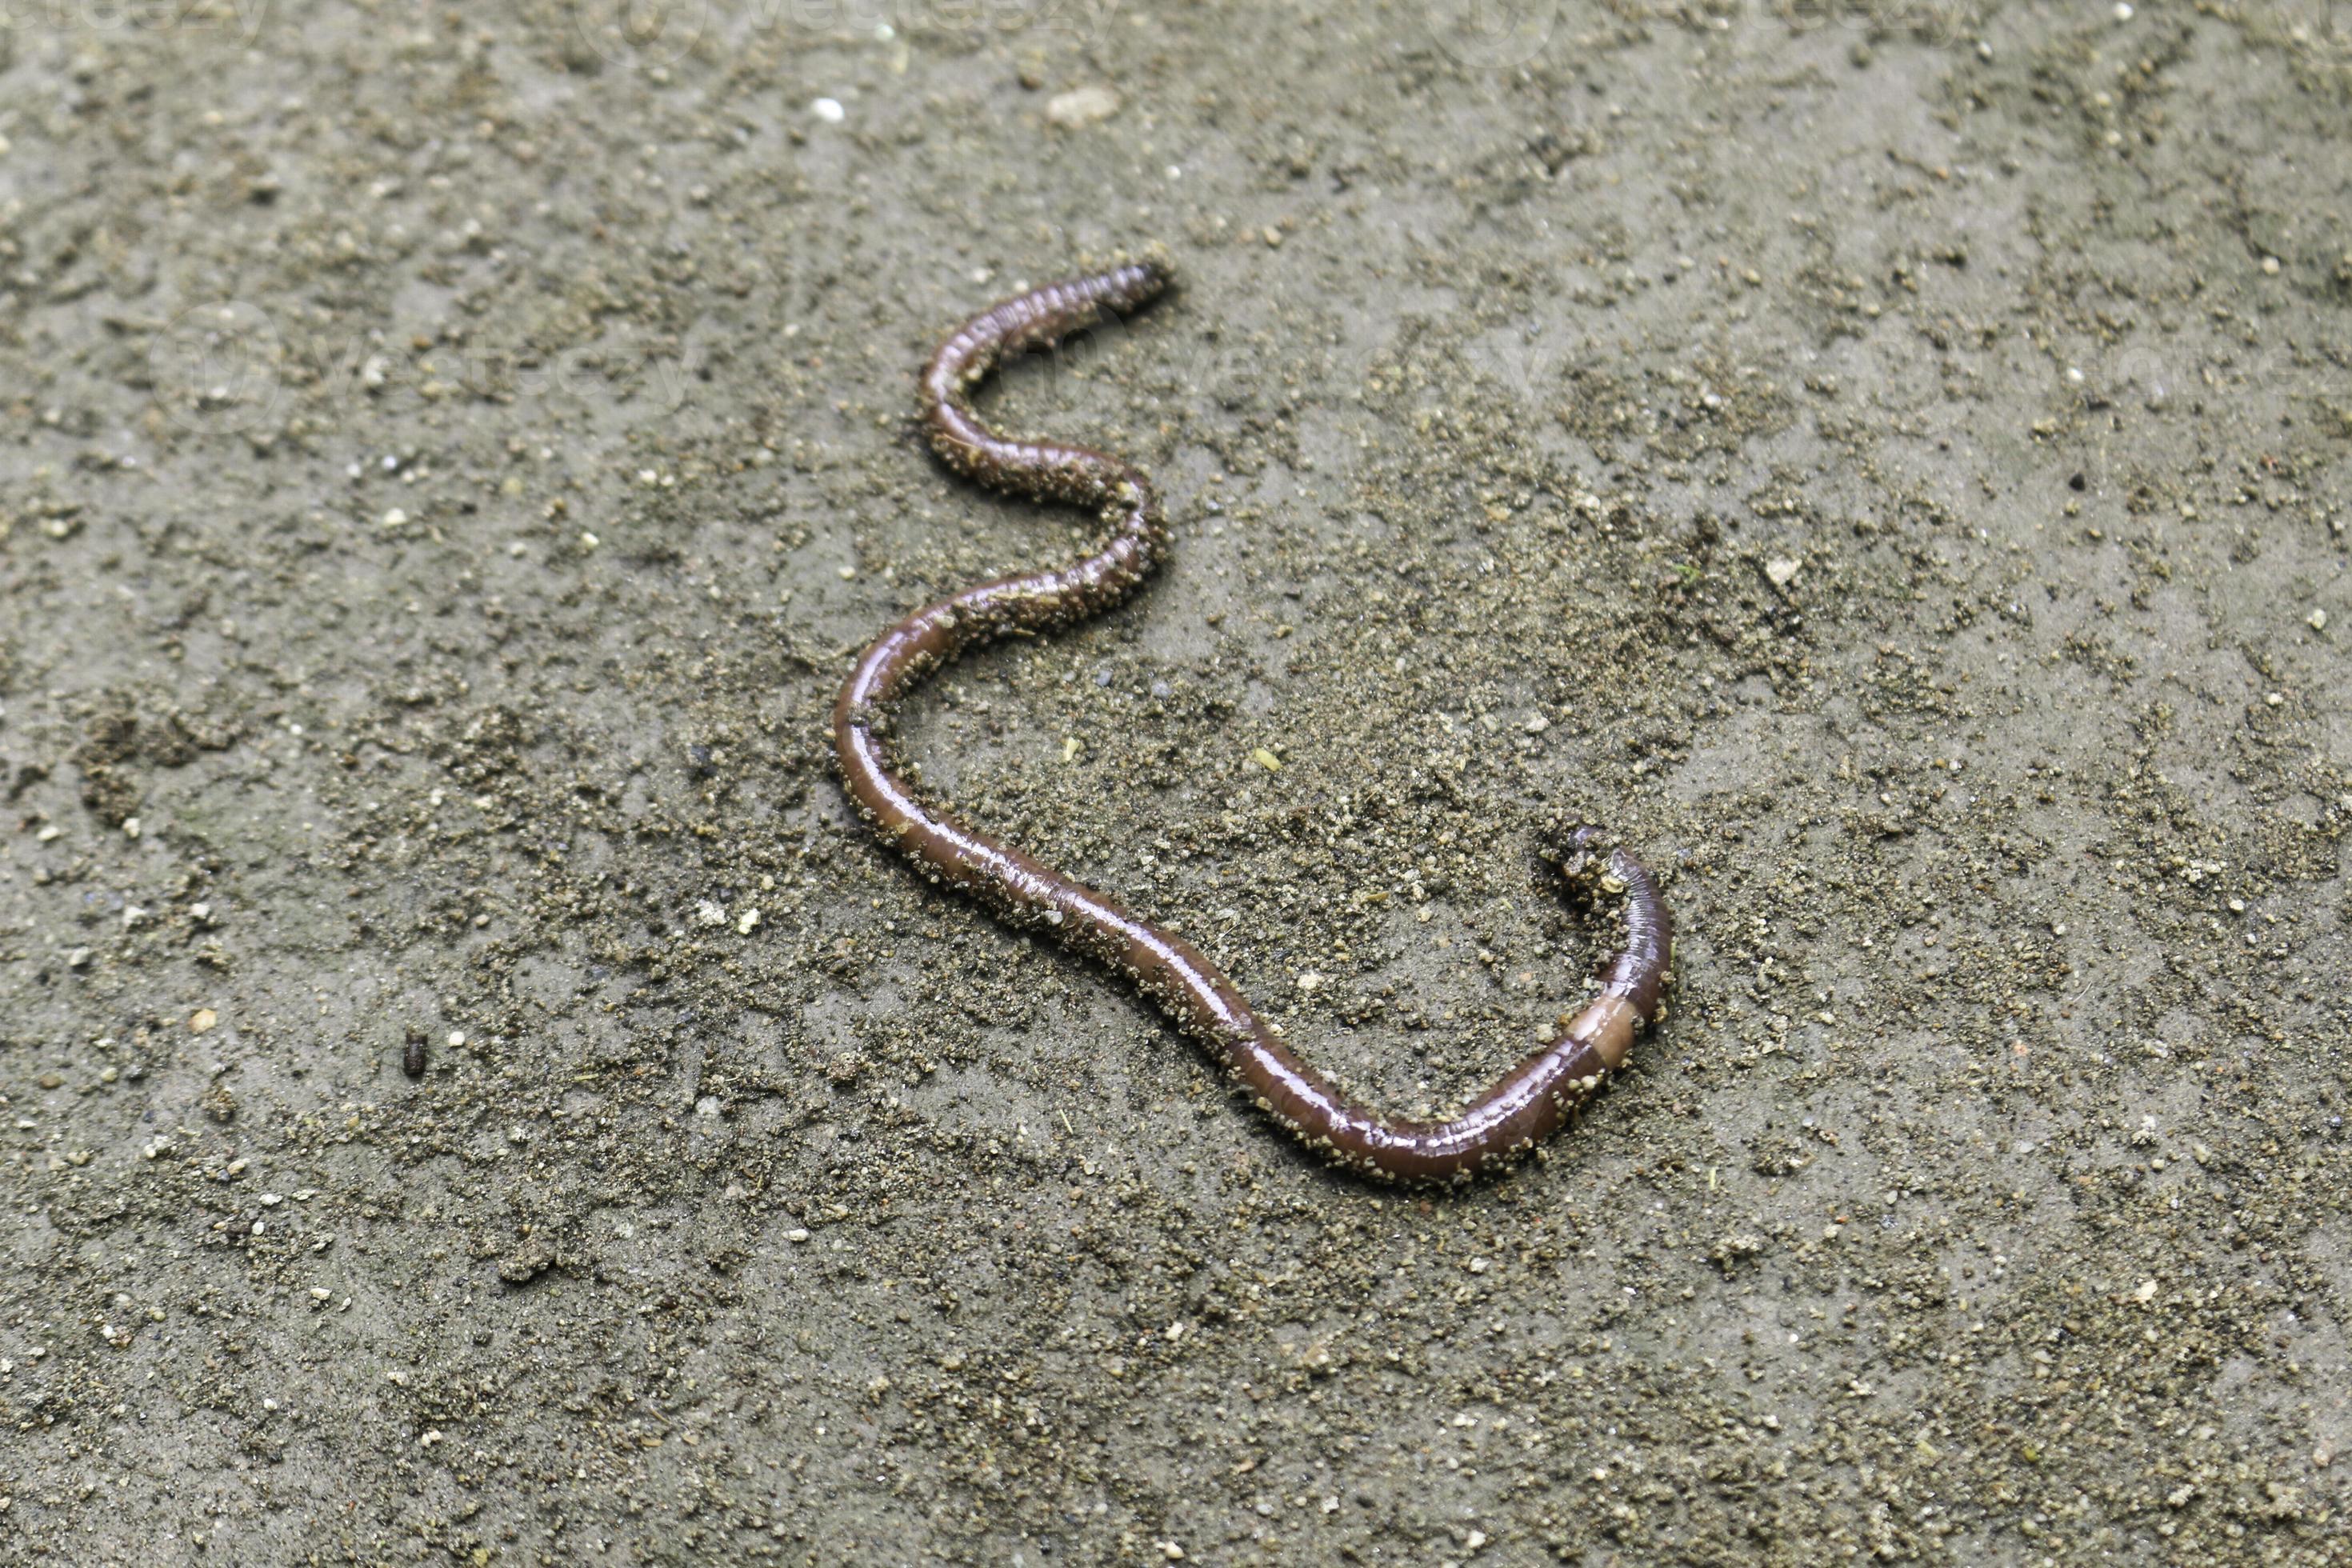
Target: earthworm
{"x": 1525, "y": 1105}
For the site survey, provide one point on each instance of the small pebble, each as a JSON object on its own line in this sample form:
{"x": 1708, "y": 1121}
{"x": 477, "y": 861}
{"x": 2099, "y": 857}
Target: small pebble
{"x": 1082, "y": 106}
{"x": 829, "y": 109}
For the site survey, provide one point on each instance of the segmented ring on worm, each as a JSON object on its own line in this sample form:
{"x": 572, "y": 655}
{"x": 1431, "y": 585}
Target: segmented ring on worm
{"x": 1521, "y": 1109}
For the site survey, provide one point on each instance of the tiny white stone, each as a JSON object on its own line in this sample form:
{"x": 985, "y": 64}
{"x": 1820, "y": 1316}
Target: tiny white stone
{"x": 1088, "y": 105}
{"x": 829, "y": 109}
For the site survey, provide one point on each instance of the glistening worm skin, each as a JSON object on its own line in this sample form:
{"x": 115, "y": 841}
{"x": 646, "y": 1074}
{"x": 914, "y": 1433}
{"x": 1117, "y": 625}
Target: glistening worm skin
{"x": 1523, "y": 1107}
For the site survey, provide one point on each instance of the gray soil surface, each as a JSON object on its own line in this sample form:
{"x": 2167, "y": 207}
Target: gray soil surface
{"x": 1892, "y": 466}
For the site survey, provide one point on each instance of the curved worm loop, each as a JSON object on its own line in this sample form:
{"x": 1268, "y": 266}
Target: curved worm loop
{"x": 1527, "y": 1104}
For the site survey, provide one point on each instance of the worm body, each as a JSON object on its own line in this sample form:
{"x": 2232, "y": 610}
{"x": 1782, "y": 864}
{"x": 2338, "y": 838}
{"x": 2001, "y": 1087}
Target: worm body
{"x": 1527, "y": 1105}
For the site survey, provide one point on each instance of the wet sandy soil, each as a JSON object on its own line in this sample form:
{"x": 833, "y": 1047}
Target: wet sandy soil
{"x": 1890, "y": 466}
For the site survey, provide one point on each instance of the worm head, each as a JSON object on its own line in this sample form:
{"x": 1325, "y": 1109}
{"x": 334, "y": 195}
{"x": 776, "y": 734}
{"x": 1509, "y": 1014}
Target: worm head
{"x": 1582, "y": 854}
